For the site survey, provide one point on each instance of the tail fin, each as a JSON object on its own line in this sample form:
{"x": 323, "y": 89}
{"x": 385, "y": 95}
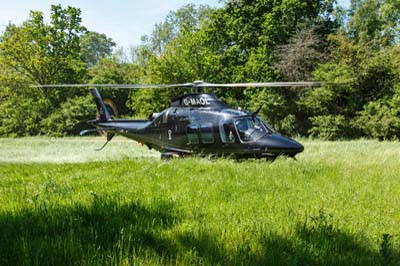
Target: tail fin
{"x": 104, "y": 115}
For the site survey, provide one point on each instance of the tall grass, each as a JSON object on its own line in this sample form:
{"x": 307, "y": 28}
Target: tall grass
{"x": 338, "y": 204}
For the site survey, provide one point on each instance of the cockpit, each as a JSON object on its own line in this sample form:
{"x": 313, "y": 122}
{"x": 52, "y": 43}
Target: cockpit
{"x": 248, "y": 129}
{"x": 251, "y": 129}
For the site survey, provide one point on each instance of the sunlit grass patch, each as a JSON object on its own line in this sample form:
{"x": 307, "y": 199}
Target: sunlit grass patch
{"x": 72, "y": 149}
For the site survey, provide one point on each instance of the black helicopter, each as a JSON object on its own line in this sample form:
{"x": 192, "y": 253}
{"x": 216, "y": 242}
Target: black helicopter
{"x": 198, "y": 123}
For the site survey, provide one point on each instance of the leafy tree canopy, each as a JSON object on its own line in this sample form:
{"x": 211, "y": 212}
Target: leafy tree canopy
{"x": 375, "y": 23}
{"x": 46, "y": 53}
{"x": 95, "y": 46}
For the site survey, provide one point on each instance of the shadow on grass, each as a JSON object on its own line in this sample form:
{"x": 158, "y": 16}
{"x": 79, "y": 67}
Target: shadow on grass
{"x": 111, "y": 232}
{"x": 105, "y": 232}
{"x": 316, "y": 242}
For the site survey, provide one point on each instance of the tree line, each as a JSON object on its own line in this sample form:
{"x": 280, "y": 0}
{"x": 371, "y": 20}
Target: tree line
{"x": 354, "y": 51}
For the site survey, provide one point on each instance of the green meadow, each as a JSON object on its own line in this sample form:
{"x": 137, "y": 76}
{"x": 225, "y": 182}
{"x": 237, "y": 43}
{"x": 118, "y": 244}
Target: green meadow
{"x": 63, "y": 203}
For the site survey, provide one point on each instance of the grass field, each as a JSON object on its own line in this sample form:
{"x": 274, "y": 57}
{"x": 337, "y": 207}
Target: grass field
{"x": 62, "y": 203}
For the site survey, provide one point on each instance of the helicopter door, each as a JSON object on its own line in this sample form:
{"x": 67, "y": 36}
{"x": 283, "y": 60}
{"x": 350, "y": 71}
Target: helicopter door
{"x": 173, "y": 133}
{"x": 227, "y": 131}
{"x": 168, "y": 128}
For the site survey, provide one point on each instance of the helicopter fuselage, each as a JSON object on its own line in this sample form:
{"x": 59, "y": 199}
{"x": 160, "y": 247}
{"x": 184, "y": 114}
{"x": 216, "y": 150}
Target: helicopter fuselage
{"x": 202, "y": 124}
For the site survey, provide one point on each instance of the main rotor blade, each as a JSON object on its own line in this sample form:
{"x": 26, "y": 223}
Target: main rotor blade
{"x": 196, "y": 84}
{"x": 119, "y": 86}
{"x": 262, "y": 84}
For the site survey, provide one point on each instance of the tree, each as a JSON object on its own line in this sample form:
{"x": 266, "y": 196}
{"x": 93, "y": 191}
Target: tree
{"x": 380, "y": 119}
{"x": 299, "y": 58}
{"x": 174, "y": 53}
{"x": 95, "y": 46}
{"x": 39, "y": 53}
{"x": 111, "y": 71}
{"x": 245, "y": 33}
{"x": 374, "y": 22}
{"x": 187, "y": 18}
{"x": 359, "y": 81}
{"x": 46, "y": 53}
{"x": 21, "y": 108}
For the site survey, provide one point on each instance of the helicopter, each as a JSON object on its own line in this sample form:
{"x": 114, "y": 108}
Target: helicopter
{"x": 198, "y": 124}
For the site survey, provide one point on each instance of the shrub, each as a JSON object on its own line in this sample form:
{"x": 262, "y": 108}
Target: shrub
{"x": 289, "y": 126}
{"x": 329, "y": 127}
{"x": 380, "y": 119}
{"x": 21, "y": 116}
{"x": 70, "y": 118}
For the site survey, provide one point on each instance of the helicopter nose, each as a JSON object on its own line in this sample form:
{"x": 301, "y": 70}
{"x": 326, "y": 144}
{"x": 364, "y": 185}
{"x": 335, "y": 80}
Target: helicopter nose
{"x": 280, "y": 144}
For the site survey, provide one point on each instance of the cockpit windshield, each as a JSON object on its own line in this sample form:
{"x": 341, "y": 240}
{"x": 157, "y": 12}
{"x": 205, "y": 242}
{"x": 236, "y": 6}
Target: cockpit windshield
{"x": 252, "y": 129}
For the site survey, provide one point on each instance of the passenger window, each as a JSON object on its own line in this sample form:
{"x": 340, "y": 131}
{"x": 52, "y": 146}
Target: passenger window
{"x": 207, "y": 135}
{"x": 192, "y": 134}
{"x": 226, "y": 129}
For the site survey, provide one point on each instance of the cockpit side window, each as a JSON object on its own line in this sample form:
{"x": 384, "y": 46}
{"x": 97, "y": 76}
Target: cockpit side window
{"x": 226, "y": 129}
